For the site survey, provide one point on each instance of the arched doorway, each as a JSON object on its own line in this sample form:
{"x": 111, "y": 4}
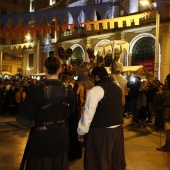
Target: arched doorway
{"x": 143, "y": 53}
{"x": 77, "y": 56}
{"x": 103, "y": 54}
{"x": 147, "y": 43}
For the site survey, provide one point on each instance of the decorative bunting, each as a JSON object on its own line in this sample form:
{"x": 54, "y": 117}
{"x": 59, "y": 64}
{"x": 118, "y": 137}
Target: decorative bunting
{"x": 88, "y": 25}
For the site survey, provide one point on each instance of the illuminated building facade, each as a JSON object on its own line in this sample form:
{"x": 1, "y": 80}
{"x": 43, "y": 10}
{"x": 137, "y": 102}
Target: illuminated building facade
{"x": 82, "y": 30}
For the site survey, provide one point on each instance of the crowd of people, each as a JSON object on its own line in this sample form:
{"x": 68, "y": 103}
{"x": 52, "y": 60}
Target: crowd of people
{"x": 63, "y": 113}
{"x": 13, "y": 92}
{"x": 55, "y": 110}
{"x": 144, "y": 101}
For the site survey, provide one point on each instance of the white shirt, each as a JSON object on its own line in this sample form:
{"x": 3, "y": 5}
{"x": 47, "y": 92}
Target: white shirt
{"x": 94, "y": 95}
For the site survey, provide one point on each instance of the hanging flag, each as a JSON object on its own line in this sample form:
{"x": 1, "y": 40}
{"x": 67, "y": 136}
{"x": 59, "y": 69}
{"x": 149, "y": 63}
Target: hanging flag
{"x": 161, "y": 4}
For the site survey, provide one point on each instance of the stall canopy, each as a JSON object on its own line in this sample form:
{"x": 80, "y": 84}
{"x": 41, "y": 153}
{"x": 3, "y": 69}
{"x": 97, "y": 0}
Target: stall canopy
{"x": 105, "y": 46}
{"x": 7, "y": 73}
{"x": 139, "y": 70}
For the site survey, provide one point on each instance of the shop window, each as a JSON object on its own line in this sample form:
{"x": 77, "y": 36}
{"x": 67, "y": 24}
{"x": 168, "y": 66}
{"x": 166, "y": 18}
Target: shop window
{"x": 13, "y": 42}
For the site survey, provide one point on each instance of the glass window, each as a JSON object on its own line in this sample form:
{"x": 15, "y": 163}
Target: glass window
{"x": 31, "y": 61}
{"x": 3, "y": 11}
{"x": 52, "y": 2}
{"x": 2, "y": 40}
{"x": 32, "y": 5}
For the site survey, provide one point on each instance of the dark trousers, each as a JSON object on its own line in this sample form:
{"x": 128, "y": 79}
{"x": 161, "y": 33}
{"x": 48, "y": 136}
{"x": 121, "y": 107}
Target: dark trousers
{"x": 104, "y": 149}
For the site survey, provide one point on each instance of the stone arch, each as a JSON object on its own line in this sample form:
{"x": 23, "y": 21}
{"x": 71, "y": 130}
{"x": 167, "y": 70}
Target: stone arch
{"x": 78, "y": 55}
{"x": 147, "y": 42}
{"x": 100, "y": 53}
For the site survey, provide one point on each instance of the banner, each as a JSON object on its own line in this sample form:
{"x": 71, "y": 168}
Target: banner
{"x": 149, "y": 64}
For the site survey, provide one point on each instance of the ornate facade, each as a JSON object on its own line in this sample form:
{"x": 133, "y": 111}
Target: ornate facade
{"x": 91, "y": 26}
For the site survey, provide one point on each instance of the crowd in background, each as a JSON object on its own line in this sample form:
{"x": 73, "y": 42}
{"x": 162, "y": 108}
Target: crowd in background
{"x": 144, "y": 99}
{"x": 144, "y": 102}
{"x": 13, "y": 92}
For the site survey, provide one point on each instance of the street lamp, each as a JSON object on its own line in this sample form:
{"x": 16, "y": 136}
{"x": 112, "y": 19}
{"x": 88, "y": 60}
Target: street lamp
{"x": 157, "y": 62}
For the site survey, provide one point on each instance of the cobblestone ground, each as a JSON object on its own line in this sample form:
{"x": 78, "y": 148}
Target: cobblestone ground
{"x": 140, "y": 147}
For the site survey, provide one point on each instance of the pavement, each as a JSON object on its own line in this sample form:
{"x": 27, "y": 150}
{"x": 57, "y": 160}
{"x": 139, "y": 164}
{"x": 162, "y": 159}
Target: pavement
{"x": 140, "y": 146}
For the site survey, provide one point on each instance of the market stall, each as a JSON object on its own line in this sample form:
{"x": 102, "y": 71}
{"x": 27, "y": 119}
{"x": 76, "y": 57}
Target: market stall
{"x": 139, "y": 70}
{"x": 6, "y": 75}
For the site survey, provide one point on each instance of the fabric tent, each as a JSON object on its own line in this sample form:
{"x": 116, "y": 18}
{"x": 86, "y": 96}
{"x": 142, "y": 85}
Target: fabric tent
{"x": 139, "y": 70}
{"x": 7, "y": 73}
{"x": 105, "y": 46}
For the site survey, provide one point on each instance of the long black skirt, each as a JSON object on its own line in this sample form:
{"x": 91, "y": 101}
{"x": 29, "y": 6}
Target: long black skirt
{"x": 48, "y": 163}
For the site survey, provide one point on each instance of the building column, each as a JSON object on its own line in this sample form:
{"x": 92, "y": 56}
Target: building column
{"x": 86, "y": 44}
{"x": 165, "y": 57}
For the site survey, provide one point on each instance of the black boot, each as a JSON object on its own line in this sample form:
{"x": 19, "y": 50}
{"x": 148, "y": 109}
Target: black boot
{"x": 165, "y": 148}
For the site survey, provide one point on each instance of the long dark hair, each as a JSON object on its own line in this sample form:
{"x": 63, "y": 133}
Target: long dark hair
{"x": 168, "y": 80}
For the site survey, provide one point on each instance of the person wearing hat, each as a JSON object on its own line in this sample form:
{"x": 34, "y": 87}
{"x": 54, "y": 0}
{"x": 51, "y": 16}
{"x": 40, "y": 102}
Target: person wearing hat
{"x": 116, "y": 68}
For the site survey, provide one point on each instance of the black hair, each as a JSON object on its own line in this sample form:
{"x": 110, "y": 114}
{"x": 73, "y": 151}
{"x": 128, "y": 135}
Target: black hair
{"x": 52, "y": 64}
{"x": 168, "y": 79}
{"x": 100, "y": 71}
{"x": 65, "y": 78}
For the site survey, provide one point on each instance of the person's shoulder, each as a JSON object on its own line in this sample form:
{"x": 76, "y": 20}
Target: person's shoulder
{"x": 96, "y": 89}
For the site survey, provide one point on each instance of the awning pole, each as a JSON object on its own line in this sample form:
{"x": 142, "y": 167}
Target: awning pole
{"x": 1, "y": 62}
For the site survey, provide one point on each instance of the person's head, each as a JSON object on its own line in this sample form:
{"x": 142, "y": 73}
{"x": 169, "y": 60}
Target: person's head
{"x": 117, "y": 54}
{"x": 52, "y": 65}
{"x": 20, "y": 88}
{"x": 99, "y": 73}
{"x": 65, "y": 79}
{"x": 6, "y": 81}
{"x": 12, "y": 88}
{"x": 34, "y": 81}
{"x": 168, "y": 79}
